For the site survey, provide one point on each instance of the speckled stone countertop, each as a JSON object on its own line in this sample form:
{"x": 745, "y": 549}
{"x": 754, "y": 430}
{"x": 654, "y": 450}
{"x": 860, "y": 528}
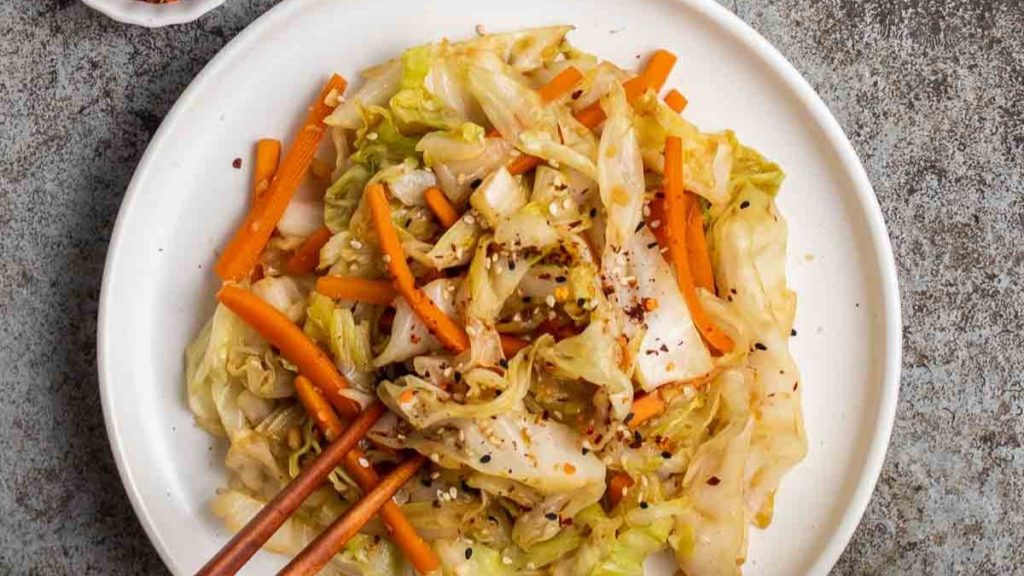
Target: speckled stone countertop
{"x": 930, "y": 92}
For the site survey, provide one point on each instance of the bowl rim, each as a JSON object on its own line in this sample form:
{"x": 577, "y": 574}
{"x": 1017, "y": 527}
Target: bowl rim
{"x": 150, "y": 15}
{"x": 731, "y": 24}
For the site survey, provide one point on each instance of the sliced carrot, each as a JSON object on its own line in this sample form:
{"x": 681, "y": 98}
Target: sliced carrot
{"x": 677, "y": 205}
{"x": 561, "y": 84}
{"x": 268, "y": 154}
{"x": 523, "y": 164}
{"x": 510, "y": 345}
{"x": 441, "y": 207}
{"x": 376, "y": 292}
{"x": 658, "y": 67}
{"x": 646, "y": 407}
{"x": 307, "y": 255}
{"x": 697, "y": 248}
{"x": 243, "y": 251}
{"x": 617, "y": 486}
{"x": 318, "y": 409}
{"x": 447, "y": 331}
{"x": 675, "y": 100}
{"x": 330, "y": 541}
{"x": 380, "y": 214}
{"x": 403, "y": 533}
{"x": 292, "y": 342}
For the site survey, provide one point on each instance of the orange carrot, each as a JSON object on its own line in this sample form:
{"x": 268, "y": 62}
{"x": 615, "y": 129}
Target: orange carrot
{"x": 294, "y": 345}
{"x": 441, "y": 207}
{"x": 416, "y": 550}
{"x": 675, "y": 100}
{"x": 316, "y": 555}
{"x": 646, "y": 407}
{"x": 560, "y": 84}
{"x": 268, "y": 154}
{"x": 448, "y": 332}
{"x": 318, "y": 408}
{"x": 243, "y": 251}
{"x": 307, "y": 255}
{"x": 376, "y": 292}
{"x": 653, "y": 76}
{"x": 321, "y": 170}
{"x": 697, "y": 248}
{"x": 380, "y": 214}
{"x": 677, "y": 205}
{"x": 510, "y": 345}
{"x": 617, "y": 486}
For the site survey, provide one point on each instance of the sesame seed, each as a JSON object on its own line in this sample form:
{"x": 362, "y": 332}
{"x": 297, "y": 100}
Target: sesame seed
{"x": 469, "y": 553}
{"x": 485, "y": 458}
{"x": 364, "y": 462}
{"x": 371, "y": 136}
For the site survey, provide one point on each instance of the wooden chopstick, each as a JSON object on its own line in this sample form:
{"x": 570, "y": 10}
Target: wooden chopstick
{"x": 248, "y": 541}
{"x": 403, "y": 534}
{"x": 320, "y": 551}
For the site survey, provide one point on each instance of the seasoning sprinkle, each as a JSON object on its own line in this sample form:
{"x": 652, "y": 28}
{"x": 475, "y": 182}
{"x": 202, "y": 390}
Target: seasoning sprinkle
{"x": 469, "y": 553}
{"x": 744, "y": 205}
{"x": 551, "y": 516}
{"x": 485, "y": 458}
{"x": 760, "y": 346}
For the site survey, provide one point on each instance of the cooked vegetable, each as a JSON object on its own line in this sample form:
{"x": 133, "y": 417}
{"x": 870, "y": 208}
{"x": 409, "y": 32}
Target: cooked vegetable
{"x": 243, "y": 251}
{"x": 570, "y": 301}
{"x": 267, "y": 157}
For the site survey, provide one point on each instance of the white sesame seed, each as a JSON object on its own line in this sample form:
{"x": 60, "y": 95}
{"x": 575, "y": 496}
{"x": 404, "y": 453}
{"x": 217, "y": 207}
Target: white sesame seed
{"x": 364, "y": 462}
{"x": 469, "y": 219}
{"x": 550, "y": 300}
{"x": 453, "y": 492}
{"x": 655, "y": 224}
{"x": 506, "y": 561}
{"x": 460, "y": 179}
{"x": 553, "y": 208}
{"x": 386, "y": 258}
{"x": 356, "y": 244}
{"x": 371, "y": 136}
{"x": 435, "y": 475}
{"x": 435, "y": 458}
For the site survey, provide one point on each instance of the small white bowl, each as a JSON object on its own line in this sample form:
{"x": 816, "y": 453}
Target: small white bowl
{"x": 152, "y": 15}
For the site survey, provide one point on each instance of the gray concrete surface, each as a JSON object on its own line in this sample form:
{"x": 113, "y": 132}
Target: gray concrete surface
{"x": 930, "y": 92}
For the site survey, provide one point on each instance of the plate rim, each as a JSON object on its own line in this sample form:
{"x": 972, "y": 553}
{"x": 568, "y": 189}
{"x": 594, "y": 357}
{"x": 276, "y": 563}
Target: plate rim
{"x": 741, "y": 32}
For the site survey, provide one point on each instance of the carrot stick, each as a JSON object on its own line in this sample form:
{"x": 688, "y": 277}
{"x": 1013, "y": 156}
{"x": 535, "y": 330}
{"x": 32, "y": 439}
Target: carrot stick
{"x": 294, "y": 345}
{"x": 617, "y": 486}
{"x": 416, "y": 550}
{"x": 268, "y": 154}
{"x": 697, "y": 249}
{"x": 441, "y": 207}
{"x": 243, "y": 251}
{"x": 448, "y": 332}
{"x": 319, "y": 553}
{"x": 646, "y": 407}
{"x": 560, "y": 84}
{"x": 677, "y": 205}
{"x": 510, "y": 345}
{"x": 307, "y": 255}
{"x": 653, "y": 76}
{"x": 318, "y": 408}
{"x": 675, "y": 100}
{"x": 234, "y": 554}
{"x": 376, "y": 292}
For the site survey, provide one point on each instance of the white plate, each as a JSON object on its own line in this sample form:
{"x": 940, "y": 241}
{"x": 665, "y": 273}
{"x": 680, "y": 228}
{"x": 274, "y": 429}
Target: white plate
{"x": 185, "y": 200}
{"x": 152, "y": 15}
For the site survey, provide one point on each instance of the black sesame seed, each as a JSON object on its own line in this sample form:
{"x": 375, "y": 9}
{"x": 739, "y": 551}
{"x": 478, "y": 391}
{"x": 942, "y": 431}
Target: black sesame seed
{"x": 576, "y": 94}
{"x": 503, "y": 363}
{"x": 714, "y": 481}
{"x": 593, "y": 212}
{"x": 581, "y": 302}
{"x": 475, "y": 183}
{"x": 792, "y": 332}
{"x": 644, "y": 505}
{"x": 485, "y": 458}
{"x": 651, "y": 245}
{"x": 458, "y": 376}
{"x": 666, "y": 454}
{"x": 469, "y": 553}
{"x": 744, "y": 204}
{"x": 760, "y": 346}
{"x": 585, "y": 451}
{"x": 560, "y": 279}
{"x": 638, "y": 227}
{"x": 629, "y": 417}
{"x": 511, "y": 264}
{"x": 527, "y": 299}
{"x": 551, "y": 516}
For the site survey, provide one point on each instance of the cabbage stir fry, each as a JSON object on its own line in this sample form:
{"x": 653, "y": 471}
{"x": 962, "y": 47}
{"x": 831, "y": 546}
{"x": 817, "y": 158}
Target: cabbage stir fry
{"x": 571, "y": 300}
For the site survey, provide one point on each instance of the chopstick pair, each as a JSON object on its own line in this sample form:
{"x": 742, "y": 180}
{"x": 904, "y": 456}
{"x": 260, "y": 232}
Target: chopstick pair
{"x": 261, "y": 527}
